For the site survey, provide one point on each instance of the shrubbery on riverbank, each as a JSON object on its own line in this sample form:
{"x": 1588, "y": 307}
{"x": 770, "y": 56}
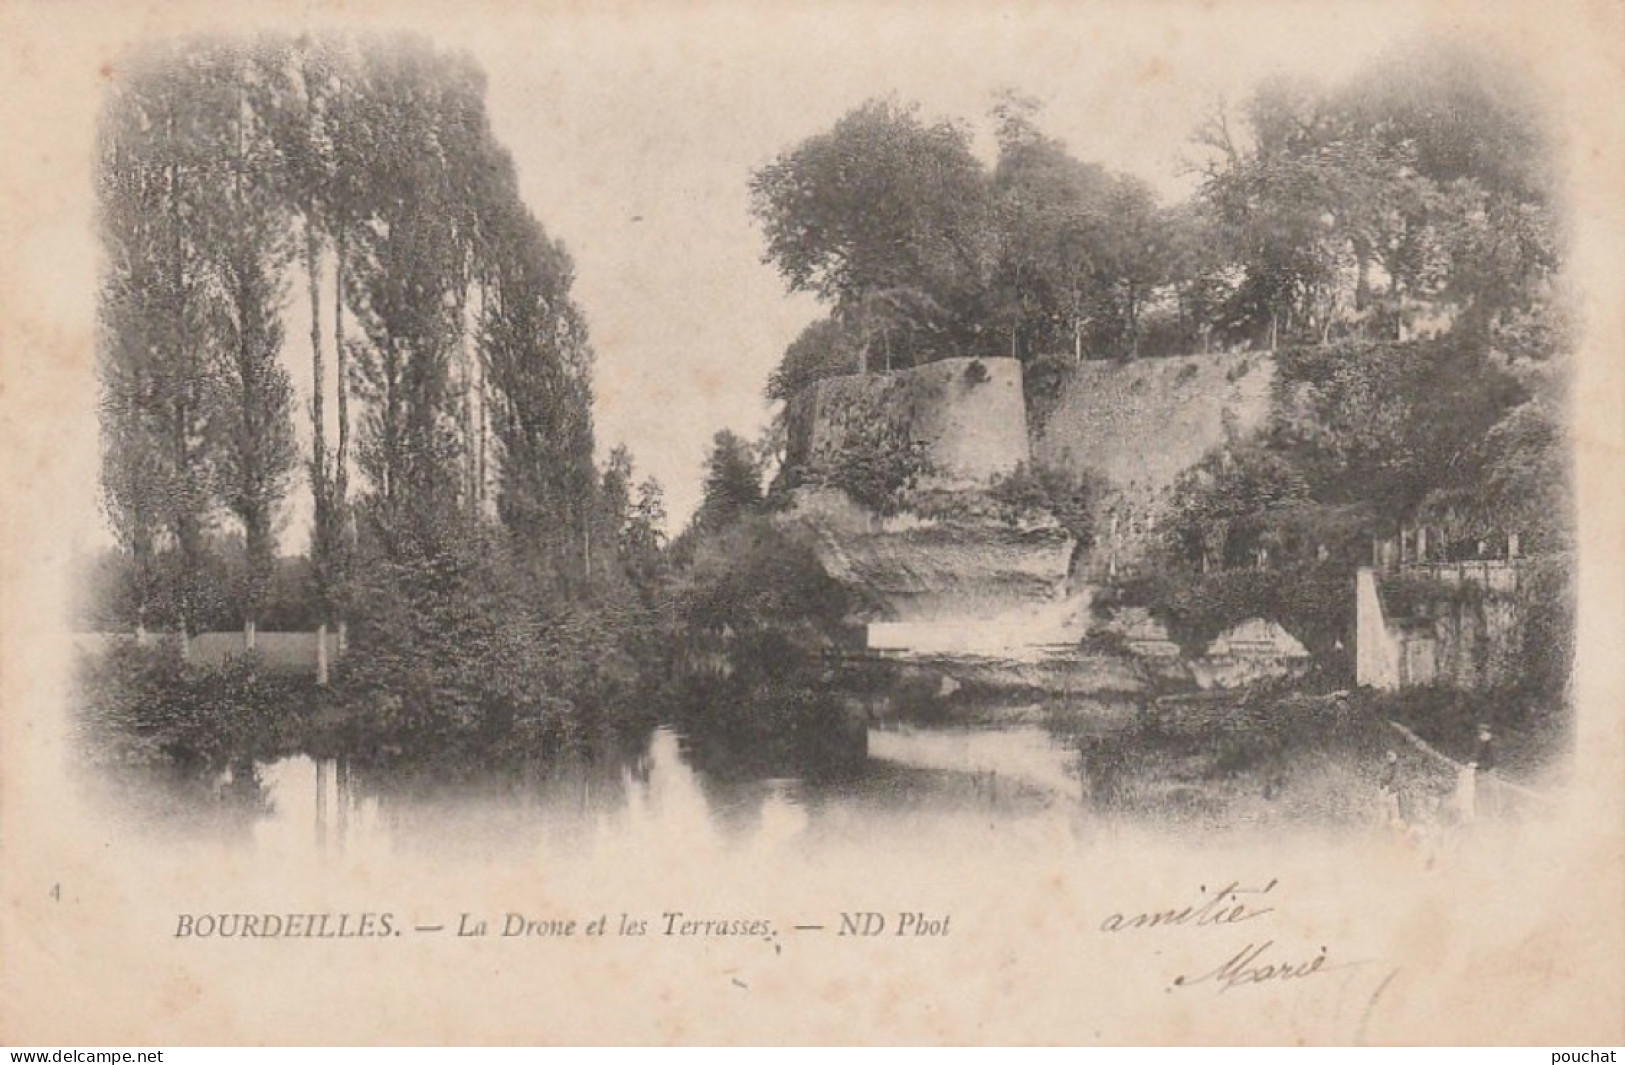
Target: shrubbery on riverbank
{"x": 748, "y": 620}
{"x": 1274, "y": 754}
{"x": 459, "y": 658}
{"x": 1269, "y": 756}
{"x": 143, "y": 706}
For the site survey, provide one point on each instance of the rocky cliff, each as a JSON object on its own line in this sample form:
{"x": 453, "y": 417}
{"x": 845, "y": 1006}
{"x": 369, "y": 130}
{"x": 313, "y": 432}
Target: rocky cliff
{"x": 965, "y": 569}
{"x": 957, "y": 577}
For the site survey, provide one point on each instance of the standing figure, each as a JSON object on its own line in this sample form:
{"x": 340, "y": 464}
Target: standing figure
{"x": 1388, "y": 790}
{"x": 1483, "y": 765}
{"x": 1484, "y": 760}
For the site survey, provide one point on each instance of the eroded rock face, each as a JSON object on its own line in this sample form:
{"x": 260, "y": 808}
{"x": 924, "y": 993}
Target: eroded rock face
{"x": 957, "y": 585}
{"x": 927, "y": 572}
{"x": 980, "y": 601}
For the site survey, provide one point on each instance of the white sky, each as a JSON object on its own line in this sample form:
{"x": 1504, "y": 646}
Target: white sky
{"x": 635, "y": 135}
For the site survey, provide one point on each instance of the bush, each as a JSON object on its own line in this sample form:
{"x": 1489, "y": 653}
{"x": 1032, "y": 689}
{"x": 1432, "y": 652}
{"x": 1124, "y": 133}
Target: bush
{"x": 1386, "y": 422}
{"x": 1546, "y": 620}
{"x": 878, "y": 469}
{"x": 1529, "y": 733}
{"x": 1313, "y": 603}
{"x": 751, "y": 617}
{"x": 1074, "y": 500}
{"x": 1100, "y": 641}
{"x": 1268, "y": 753}
{"x": 751, "y": 579}
{"x": 1412, "y": 595}
{"x": 877, "y": 463}
{"x": 1223, "y": 506}
{"x": 142, "y": 705}
{"x": 460, "y": 658}
{"x": 1044, "y": 380}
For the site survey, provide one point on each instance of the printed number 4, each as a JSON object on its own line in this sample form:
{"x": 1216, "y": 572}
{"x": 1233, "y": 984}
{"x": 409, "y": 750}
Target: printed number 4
{"x": 56, "y": 892}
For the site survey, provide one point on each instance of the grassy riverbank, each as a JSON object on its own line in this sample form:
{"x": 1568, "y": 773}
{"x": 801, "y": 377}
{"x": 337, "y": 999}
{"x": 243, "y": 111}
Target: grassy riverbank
{"x": 1272, "y": 754}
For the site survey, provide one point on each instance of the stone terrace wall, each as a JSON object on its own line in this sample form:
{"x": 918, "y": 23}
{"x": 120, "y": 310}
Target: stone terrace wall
{"x": 970, "y": 415}
{"x": 1142, "y": 423}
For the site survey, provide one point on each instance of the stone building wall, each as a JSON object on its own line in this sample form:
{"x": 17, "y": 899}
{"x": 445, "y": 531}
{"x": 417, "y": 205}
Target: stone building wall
{"x": 969, "y": 416}
{"x": 1142, "y": 424}
{"x": 1145, "y": 422}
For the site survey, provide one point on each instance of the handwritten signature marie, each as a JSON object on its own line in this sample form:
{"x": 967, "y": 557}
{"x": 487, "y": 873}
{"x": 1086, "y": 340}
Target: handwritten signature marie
{"x": 1248, "y": 966}
{"x": 1258, "y": 962}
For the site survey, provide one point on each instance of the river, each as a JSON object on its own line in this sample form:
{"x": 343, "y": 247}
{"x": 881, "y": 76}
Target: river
{"x": 915, "y": 783}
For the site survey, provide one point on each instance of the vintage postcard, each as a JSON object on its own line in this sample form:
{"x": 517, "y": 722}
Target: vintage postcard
{"x": 812, "y": 522}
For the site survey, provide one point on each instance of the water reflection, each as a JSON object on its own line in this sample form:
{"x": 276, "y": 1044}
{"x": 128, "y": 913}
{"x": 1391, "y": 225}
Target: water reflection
{"x": 659, "y": 795}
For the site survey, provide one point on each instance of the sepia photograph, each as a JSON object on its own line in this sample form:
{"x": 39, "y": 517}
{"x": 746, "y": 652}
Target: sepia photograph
{"x": 811, "y": 524}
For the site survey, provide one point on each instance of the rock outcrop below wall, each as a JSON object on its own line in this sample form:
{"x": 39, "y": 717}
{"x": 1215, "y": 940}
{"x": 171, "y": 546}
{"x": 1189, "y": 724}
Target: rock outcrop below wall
{"x": 981, "y": 596}
{"x": 969, "y": 415}
{"x": 924, "y": 572}
{"x": 963, "y": 584}
{"x": 1143, "y": 423}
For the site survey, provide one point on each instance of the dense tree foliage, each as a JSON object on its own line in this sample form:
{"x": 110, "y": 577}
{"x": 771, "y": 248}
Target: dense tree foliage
{"x": 921, "y": 252}
{"x": 491, "y": 575}
{"x": 733, "y": 482}
{"x": 223, "y": 163}
{"x": 1420, "y": 182}
{"x": 1411, "y": 196}
{"x": 1077, "y": 252}
{"x": 160, "y": 186}
{"x": 883, "y": 218}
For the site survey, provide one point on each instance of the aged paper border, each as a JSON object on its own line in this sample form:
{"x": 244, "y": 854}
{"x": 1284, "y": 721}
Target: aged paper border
{"x": 1529, "y": 947}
